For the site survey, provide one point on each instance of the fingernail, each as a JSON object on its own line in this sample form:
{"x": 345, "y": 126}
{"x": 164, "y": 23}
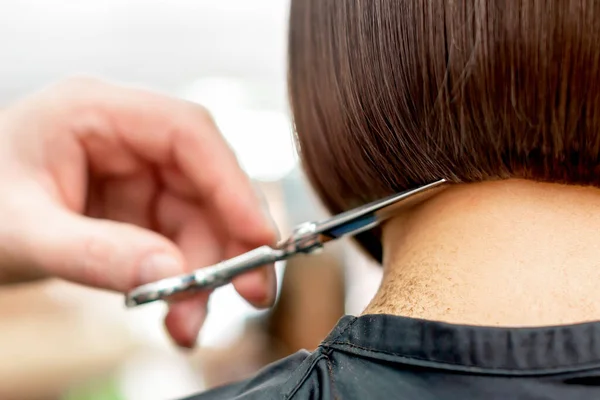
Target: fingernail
{"x": 192, "y": 327}
{"x": 158, "y": 266}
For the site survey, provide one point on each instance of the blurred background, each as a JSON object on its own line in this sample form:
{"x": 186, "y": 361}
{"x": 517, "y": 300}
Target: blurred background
{"x": 62, "y": 341}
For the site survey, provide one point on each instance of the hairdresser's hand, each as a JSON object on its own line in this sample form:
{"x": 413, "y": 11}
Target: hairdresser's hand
{"x": 115, "y": 187}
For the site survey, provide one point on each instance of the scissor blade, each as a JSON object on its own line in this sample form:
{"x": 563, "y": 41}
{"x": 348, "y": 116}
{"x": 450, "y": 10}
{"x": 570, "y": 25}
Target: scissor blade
{"x": 370, "y": 215}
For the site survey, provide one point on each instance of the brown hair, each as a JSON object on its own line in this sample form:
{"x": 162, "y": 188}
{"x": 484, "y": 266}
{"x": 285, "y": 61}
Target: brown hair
{"x": 390, "y": 94}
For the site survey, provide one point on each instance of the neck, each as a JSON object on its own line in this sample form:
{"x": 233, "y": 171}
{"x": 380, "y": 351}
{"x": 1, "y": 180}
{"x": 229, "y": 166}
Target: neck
{"x": 505, "y": 253}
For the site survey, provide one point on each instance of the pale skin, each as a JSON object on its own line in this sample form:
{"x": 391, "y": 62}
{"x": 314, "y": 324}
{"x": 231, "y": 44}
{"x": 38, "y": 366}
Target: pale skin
{"x": 505, "y": 253}
{"x": 113, "y": 187}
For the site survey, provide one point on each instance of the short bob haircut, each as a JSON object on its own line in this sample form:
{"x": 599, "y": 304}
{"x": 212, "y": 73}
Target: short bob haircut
{"x": 391, "y": 94}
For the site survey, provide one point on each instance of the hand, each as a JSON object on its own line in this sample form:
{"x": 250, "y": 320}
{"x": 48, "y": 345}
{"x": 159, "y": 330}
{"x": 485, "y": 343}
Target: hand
{"x": 115, "y": 187}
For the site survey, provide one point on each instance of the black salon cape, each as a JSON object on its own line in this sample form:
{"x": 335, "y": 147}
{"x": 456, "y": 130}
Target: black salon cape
{"x": 388, "y": 357}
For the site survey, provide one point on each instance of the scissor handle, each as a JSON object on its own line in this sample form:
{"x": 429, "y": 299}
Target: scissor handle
{"x": 204, "y": 278}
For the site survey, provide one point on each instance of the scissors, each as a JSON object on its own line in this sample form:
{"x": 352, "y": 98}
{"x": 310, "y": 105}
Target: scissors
{"x": 306, "y": 238}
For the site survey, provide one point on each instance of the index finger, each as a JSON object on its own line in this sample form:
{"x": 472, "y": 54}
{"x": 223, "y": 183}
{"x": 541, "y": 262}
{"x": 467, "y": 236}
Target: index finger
{"x": 169, "y": 131}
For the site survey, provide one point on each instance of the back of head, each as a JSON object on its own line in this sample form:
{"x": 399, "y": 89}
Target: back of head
{"x": 390, "y": 94}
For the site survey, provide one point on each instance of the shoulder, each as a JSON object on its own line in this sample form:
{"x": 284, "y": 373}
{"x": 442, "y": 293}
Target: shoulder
{"x": 287, "y": 378}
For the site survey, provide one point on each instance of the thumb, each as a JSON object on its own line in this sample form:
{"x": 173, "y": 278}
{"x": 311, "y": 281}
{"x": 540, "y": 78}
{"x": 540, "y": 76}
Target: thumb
{"x": 101, "y": 253}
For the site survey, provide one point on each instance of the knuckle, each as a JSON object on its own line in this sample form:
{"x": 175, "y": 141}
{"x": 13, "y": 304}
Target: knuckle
{"x": 75, "y": 89}
{"x": 201, "y": 114}
{"x": 204, "y": 114}
{"x": 78, "y": 82}
{"x": 184, "y": 137}
{"x": 77, "y": 104}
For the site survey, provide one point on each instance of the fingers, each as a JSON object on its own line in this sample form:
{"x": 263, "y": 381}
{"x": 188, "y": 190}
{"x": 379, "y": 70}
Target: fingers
{"x": 203, "y": 243}
{"x": 168, "y": 131}
{"x": 98, "y": 253}
{"x": 185, "y": 319}
{"x": 200, "y": 246}
{"x": 258, "y": 287}
{"x": 121, "y": 256}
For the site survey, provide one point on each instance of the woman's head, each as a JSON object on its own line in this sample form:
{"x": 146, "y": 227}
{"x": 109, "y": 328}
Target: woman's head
{"x": 390, "y": 94}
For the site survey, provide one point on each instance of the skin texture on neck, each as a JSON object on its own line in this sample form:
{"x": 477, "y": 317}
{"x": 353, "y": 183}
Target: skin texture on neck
{"x": 503, "y": 253}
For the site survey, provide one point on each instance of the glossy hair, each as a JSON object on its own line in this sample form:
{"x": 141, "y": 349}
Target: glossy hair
{"x": 391, "y": 94}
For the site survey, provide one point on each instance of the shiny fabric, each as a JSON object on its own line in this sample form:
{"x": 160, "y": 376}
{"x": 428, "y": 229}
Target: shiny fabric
{"x": 390, "y": 357}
